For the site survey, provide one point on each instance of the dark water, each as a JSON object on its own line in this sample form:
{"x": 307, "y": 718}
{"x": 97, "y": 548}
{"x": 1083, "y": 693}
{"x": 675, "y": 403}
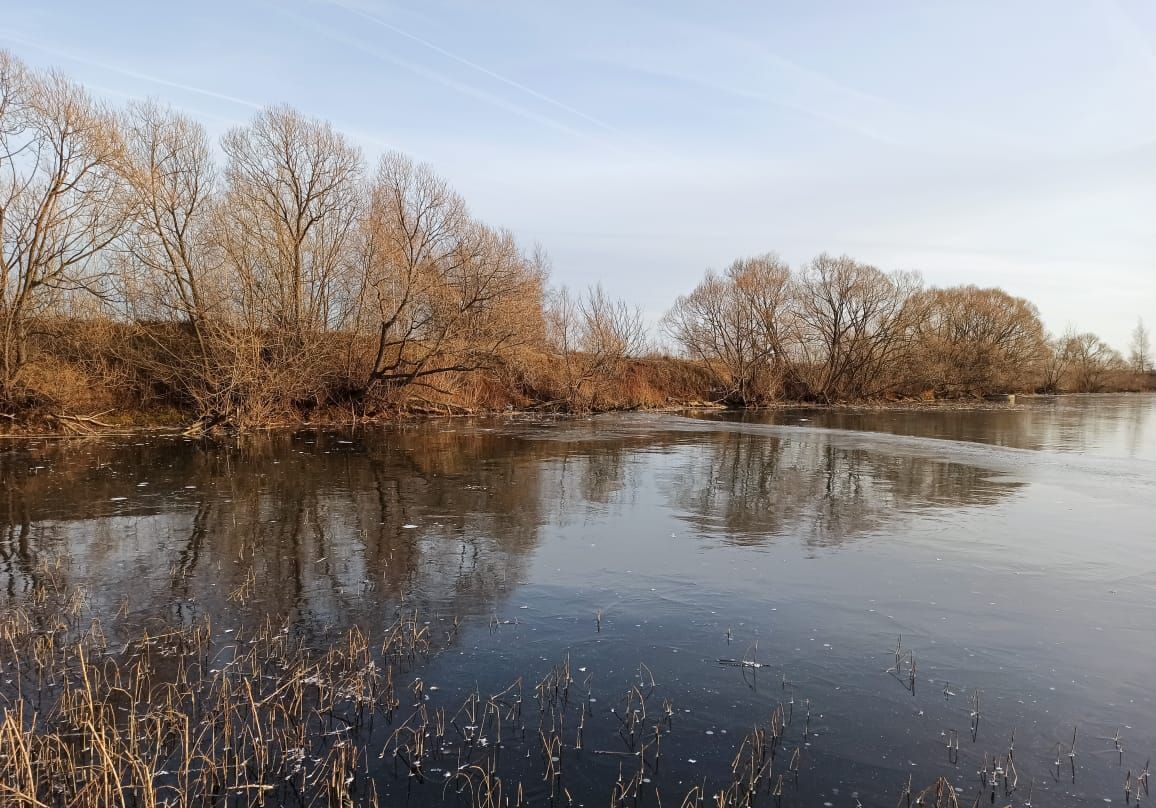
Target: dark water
{"x": 1013, "y": 549}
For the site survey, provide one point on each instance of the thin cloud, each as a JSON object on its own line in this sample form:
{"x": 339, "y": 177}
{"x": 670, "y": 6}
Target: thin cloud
{"x": 159, "y": 80}
{"x": 699, "y": 81}
{"x": 1011, "y": 255}
{"x": 439, "y": 78}
{"x": 735, "y": 66}
{"x": 475, "y": 66}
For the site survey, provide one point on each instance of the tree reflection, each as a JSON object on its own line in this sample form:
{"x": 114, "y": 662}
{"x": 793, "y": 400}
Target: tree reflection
{"x": 327, "y": 528}
{"x": 330, "y": 528}
{"x": 751, "y": 488}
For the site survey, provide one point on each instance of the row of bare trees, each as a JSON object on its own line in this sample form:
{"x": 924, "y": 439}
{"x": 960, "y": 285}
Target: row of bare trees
{"x": 837, "y": 329}
{"x": 286, "y": 275}
{"x": 275, "y": 273}
{"x": 300, "y": 277}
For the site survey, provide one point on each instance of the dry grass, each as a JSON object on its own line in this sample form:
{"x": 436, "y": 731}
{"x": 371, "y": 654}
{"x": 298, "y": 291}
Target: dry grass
{"x": 175, "y": 717}
{"x": 127, "y": 375}
{"x": 195, "y": 715}
{"x": 190, "y": 715}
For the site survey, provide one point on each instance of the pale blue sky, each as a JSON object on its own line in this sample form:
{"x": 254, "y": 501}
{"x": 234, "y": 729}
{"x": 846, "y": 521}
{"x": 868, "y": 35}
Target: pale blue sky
{"x": 1007, "y": 143}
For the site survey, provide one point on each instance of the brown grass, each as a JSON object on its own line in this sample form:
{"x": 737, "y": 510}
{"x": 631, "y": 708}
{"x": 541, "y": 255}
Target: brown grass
{"x": 125, "y": 375}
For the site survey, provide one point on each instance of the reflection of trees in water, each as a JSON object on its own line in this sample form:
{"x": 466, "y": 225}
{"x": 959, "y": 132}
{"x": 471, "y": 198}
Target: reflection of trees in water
{"x": 754, "y": 488}
{"x": 320, "y": 522}
{"x": 587, "y": 479}
{"x": 1139, "y": 426}
{"x": 1124, "y": 422}
{"x": 1120, "y": 422}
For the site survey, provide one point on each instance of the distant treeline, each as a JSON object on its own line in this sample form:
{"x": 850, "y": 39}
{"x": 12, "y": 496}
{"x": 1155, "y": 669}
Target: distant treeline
{"x": 840, "y": 330}
{"x": 278, "y": 276}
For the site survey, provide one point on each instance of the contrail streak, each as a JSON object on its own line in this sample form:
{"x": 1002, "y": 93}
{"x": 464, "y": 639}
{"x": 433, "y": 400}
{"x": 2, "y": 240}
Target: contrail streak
{"x": 440, "y": 78}
{"x": 69, "y": 55}
{"x": 479, "y": 68}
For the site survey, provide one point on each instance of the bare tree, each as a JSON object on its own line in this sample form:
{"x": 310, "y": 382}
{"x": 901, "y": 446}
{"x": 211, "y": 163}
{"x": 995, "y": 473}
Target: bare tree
{"x": 1140, "y": 349}
{"x": 592, "y": 335}
{"x": 1089, "y": 361}
{"x": 412, "y": 237}
{"x": 1054, "y": 367}
{"x": 59, "y": 208}
{"x": 735, "y": 323}
{"x": 292, "y": 199}
{"x": 973, "y": 340}
{"x": 440, "y": 293}
{"x": 171, "y": 254}
{"x": 175, "y": 254}
{"x": 855, "y": 325}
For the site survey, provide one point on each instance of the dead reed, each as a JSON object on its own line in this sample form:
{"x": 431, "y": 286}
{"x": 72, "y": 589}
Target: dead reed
{"x": 193, "y": 714}
{"x": 185, "y": 715}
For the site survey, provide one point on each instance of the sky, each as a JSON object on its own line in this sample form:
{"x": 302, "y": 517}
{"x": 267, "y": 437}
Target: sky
{"x": 998, "y": 143}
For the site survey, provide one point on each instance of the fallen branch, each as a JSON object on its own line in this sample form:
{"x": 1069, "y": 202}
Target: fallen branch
{"x": 203, "y": 425}
{"x": 81, "y": 423}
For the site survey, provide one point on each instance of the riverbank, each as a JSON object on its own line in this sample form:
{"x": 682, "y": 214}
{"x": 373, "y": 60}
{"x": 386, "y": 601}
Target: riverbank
{"x": 93, "y": 377}
{"x": 174, "y": 422}
{"x": 170, "y": 421}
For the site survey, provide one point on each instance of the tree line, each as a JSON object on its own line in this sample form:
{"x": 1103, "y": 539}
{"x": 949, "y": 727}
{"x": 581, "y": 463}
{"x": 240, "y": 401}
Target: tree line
{"x": 275, "y": 273}
{"x": 836, "y": 329}
{"x": 287, "y": 275}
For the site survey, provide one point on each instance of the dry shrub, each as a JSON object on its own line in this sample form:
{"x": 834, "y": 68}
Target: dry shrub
{"x": 73, "y": 367}
{"x": 660, "y": 381}
{"x": 56, "y": 384}
{"x": 651, "y": 382}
